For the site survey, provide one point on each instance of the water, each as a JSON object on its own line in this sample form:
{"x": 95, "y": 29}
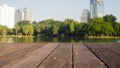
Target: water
{"x": 68, "y": 39}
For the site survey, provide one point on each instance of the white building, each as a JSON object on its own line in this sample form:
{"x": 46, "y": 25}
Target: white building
{"x": 96, "y": 8}
{"x": 23, "y": 14}
{"x": 85, "y": 18}
{"x": 28, "y": 14}
{"x": 7, "y": 16}
{"x": 19, "y": 16}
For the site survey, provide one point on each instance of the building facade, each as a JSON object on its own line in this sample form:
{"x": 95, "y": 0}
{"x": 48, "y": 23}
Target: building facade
{"x": 28, "y": 14}
{"x": 23, "y": 14}
{"x": 19, "y": 16}
{"x": 7, "y": 16}
{"x": 85, "y": 18}
{"x": 96, "y": 8}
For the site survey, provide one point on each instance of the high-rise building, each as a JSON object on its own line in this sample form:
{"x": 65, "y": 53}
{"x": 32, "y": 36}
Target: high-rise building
{"x": 23, "y": 14}
{"x": 85, "y": 18}
{"x": 7, "y": 16}
{"x": 28, "y": 14}
{"x": 19, "y": 16}
{"x": 96, "y": 8}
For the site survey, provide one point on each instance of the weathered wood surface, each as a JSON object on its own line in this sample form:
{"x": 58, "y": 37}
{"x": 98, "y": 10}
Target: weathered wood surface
{"x": 112, "y": 46}
{"x": 16, "y": 53}
{"x": 83, "y": 58}
{"x": 60, "y": 55}
{"x": 33, "y": 59}
{"x": 7, "y": 48}
{"x": 108, "y": 53}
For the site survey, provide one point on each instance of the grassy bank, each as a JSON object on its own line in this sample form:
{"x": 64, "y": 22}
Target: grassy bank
{"x": 22, "y": 36}
{"x": 103, "y": 37}
{"x": 10, "y": 36}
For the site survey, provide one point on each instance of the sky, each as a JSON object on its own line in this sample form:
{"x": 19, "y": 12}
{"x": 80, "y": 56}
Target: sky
{"x": 61, "y": 9}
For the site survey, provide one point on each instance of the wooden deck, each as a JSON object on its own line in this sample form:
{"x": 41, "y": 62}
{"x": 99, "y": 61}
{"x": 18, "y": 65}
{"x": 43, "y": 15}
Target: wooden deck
{"x": 60, "y": 55}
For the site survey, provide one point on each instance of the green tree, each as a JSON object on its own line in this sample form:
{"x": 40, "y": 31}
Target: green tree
{"x": 25, "y": 30}
{"x": 38, "y": 29}
{"x": 28, "y": 30}
{"x": 16, "y": 28}
{"x": 31, "y": 30}
{"x": 67, "y": 21}
{"x": 35, "y": 23}
{"x": 10, "y": 31}
{"x": 77, "y": 27}
{"x": 110, "y": 18}
{"x": 22, "y": 23}
{"x": 107, "y": 29}
{"x": 94, "y": 29}
{"x": 4, "y": 31}
{"x": 68, "y": 26}
{"x": 117, "y": 29}
{"x": 97, "y": 20}
{"x": 55, "y": 30}
{"x": 71, "y": 27}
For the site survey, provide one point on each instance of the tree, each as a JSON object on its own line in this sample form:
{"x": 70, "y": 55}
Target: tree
{"x": 31, "y": 30}
{"x": 16, "y": 28}
{"x": 4, "y": 31}
{"x": 110, "y": 18}
{"x": 77, "y": 27}
{"x": 22, "y": 23}
{"x": 10, "y": 31}
{"x": 94, "y": 29}
{"x": 35, "y": 23}
{"x": 97, "y": 20}
{"x": 38, "y": 29}
{"x": 28, "y": 30}
{"x": 25, "y": 30}
{"x": 68, "y": 26}
{"x": 117, "y": 29}
{"x": 71, "y": 27}
{"x": 48, "y": 28}
{"x": 67, "y": 21}
{"x": 107, "y": 29}
{"x": 47, "y": 21}
{"x": 55, "y": 30}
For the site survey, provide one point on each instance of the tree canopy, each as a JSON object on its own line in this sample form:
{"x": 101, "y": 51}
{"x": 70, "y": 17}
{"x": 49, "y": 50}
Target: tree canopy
{"x": 106, "y": 26}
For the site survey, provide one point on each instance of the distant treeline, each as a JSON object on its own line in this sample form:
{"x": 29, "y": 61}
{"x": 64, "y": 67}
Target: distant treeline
{"x": 106, "y": 26}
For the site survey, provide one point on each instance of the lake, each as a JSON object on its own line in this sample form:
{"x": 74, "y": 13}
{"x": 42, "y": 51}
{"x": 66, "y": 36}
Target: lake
{"x": 60, "y": 39}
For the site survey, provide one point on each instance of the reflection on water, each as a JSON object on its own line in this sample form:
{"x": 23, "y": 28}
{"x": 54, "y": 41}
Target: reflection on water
{"x": 3, "y": 40}
{"x": 15, "y": 39}
{"x": 24, "y": 39}
{"x": 118, "y": 41}
{"x": 61, "y": 39}
{"x": 6, "y": 40}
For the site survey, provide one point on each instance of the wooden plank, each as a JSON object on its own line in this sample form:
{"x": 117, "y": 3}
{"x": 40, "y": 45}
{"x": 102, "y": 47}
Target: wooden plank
{"x": 110, "y": 57}
{"x": 83, "y": 58}
{"x": 61, "y": 57}
{"x": 112, "y": 46}
{"x": 19, "y": 54}
{"x": 34, "y": 58}
{"x": 6, "y": 48}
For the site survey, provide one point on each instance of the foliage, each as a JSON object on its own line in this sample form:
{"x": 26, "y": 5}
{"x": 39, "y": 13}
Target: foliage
{"x": 106, "y": 26}
{"x": 4, "y": 31}
{"x": 28, "y": 30}
{"x": 22, "y": 23}
{"x": 110, "y": 18}
{"x": 16, "y": 29}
